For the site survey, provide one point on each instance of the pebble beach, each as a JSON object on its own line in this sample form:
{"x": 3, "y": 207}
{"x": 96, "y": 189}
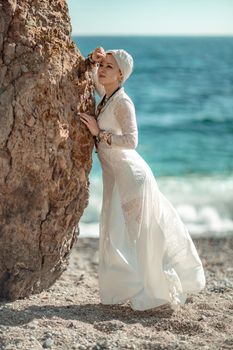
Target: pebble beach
{"x": 69, "y": 314}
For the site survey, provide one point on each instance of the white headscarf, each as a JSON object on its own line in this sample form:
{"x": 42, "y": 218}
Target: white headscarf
{"x": 124, "y": 61}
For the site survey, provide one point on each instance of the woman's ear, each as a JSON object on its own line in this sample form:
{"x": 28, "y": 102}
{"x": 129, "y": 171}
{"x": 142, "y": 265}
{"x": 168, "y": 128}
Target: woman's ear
{"x": 121, "y": 76}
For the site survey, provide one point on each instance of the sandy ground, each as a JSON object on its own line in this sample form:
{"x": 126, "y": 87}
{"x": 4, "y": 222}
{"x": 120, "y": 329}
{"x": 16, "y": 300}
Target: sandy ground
{"x": 70, "y": 316}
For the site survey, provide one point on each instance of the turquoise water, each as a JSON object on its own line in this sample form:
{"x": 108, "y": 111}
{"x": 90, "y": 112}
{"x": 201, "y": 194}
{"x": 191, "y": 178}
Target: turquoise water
{"x": 182, "y": 88}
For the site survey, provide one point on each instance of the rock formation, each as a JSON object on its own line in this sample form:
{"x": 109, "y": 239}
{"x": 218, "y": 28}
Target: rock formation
{"x": 45, "y": 150}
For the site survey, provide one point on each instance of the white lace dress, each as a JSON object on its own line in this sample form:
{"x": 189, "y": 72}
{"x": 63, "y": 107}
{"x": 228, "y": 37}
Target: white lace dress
{"x": 146, "y": 254}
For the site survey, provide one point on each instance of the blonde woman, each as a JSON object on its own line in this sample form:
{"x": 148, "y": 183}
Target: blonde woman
{"x": 146, "y": 254}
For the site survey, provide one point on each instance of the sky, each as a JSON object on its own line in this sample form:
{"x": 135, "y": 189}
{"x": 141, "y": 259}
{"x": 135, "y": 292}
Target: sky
{"x": 151, "y": 17}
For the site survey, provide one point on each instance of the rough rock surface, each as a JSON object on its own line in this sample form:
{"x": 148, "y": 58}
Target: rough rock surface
{"x": 45, "y": 150}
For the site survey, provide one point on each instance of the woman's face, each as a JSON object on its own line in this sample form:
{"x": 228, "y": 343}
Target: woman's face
{"x": 108, "y": 71}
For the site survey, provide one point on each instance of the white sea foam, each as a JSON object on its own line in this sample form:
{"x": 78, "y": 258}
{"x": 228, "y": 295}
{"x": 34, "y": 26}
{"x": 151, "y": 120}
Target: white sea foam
{"x": 204, "y": 203}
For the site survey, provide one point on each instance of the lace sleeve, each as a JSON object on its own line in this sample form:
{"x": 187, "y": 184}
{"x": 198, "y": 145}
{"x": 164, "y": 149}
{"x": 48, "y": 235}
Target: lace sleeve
{"x": 126, "y": 117}
{"x": 98, "y": 87}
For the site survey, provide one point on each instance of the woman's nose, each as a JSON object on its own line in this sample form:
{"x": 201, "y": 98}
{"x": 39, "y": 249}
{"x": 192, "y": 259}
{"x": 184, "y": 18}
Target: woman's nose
{"x": 102, "y": 68}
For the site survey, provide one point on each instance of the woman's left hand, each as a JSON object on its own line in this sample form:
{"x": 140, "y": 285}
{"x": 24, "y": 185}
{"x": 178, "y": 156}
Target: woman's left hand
{"x": 90, "y": 122}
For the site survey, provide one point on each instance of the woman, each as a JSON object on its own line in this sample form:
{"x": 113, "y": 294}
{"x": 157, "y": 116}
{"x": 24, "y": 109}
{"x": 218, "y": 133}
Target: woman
{"x": 146, "y": 254}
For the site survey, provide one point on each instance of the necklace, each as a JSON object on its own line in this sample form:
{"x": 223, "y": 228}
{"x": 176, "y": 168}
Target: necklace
{"x": 104, "y": 101}
{"x": 99, "y": 108}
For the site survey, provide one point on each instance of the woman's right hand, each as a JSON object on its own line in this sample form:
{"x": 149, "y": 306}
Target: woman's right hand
{"x": 98, "y": 54}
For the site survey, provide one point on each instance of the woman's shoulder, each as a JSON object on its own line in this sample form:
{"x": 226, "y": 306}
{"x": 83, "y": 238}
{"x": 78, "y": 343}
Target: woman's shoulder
{"x": 123, "y": 98}
{"x": 123, "y": 105}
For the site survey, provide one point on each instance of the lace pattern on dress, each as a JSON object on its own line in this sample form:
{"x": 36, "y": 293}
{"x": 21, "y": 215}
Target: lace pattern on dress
{"x": 132, "y": 212}
{"x": 125, "y": 114}
{"x": 133, "y": 209}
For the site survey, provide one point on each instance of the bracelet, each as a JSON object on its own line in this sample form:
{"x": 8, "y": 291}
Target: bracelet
{"x": 104, "y": 136}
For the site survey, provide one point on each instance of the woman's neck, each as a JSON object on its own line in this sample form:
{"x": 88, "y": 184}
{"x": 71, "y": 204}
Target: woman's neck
{"x": 109, "y": 89}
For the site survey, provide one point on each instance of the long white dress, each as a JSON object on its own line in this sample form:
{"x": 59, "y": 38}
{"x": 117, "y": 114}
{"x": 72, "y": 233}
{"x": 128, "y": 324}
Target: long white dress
{"x": 146, "y": 254}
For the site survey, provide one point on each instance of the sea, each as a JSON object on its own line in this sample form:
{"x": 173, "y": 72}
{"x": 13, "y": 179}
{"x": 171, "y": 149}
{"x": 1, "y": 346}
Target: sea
{"x": 182, "y": 88}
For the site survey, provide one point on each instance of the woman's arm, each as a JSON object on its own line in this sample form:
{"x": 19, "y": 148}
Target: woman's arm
{"x": 124, "y": 111}
{"x": 93, "y": 58}
{"x": 98, "y": 87}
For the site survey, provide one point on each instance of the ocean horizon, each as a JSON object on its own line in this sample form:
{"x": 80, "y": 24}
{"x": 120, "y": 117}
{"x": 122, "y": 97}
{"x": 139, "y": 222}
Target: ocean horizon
{"x": 182, "y": 88}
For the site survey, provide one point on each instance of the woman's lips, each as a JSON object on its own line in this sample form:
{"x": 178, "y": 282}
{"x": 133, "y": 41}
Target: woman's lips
{"x": 102, "y": 76}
